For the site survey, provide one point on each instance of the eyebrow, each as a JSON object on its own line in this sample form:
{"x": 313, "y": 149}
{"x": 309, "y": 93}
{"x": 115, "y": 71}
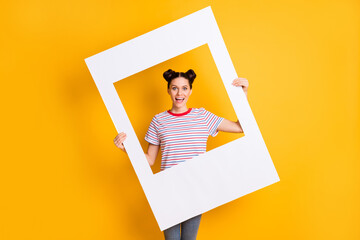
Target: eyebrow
{"x": 176, "y": 85}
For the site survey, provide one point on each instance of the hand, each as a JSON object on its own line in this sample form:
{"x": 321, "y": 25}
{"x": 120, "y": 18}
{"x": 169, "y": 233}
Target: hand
{"x": 241, "y": 82}
{"x": 119, "y": 139}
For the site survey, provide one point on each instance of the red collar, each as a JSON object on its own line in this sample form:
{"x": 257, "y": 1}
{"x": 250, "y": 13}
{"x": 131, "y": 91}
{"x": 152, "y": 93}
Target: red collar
{"x": 179, "y": 114}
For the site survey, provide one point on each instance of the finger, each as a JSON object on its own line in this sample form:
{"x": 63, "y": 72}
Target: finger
{"x": 119, "y": 142}
{"x": 121, "y": 134}
{"x": 120, "y": 145}
{"x": 243, "y": 85}
{"x": 245, "y": 82}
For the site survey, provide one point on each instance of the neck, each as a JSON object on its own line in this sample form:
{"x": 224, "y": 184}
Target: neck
{"x": 182, "y": 109}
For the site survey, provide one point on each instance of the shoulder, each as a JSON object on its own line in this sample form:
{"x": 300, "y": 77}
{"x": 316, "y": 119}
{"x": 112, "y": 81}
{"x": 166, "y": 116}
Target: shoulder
{"x": 159, "y": 116}
{"x": 200, "y": 111}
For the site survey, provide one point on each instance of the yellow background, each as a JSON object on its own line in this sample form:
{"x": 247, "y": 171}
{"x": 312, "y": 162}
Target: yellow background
{"x": 62, "y": 177}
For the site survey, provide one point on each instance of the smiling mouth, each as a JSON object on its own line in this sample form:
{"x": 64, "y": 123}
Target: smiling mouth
{"x": 179, "y": 100}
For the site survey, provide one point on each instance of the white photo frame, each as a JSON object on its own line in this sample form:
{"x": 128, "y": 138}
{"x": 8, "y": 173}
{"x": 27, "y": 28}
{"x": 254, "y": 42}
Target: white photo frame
{"x": 213, "y": 178}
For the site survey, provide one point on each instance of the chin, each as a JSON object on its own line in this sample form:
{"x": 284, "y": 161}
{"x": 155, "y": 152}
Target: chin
{"x": 178, "y": 105}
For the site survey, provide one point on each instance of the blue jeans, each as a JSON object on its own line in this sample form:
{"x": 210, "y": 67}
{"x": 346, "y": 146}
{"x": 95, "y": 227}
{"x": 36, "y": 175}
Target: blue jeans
{"x": 189, "y": 229}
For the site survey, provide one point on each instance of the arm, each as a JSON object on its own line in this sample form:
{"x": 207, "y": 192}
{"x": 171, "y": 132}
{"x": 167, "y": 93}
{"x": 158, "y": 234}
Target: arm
{"x": 152, "y": 153}
{"x": 230, "y": 126}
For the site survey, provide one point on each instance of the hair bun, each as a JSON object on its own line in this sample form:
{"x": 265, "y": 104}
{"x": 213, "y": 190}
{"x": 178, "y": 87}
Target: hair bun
{"x": 191, "y": 75}
{"x": 169, "y": 75}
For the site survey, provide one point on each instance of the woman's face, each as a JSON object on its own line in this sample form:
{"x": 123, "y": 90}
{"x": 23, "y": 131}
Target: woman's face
{"x": 179, "y": 91}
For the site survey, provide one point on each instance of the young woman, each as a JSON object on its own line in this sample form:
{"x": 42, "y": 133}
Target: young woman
{"x": 182, "y": 133}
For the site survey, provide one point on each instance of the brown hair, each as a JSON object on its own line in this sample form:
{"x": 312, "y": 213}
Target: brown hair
{"x": 190, "y": 75}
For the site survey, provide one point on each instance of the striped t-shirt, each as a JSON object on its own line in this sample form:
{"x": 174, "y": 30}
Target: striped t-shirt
{"x": 182, "y": 136}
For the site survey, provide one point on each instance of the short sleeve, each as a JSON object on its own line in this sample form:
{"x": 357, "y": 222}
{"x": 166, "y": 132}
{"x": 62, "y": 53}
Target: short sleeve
{"x": 152, "y": 135}
{"x": 212, "y": 122}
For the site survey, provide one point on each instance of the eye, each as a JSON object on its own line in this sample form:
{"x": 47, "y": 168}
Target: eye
{"x": 174, "y": 88}
{"x": 184, "y": 88}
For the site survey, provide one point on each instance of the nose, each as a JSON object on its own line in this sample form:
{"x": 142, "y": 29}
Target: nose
{"x": 179, "y": 92}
